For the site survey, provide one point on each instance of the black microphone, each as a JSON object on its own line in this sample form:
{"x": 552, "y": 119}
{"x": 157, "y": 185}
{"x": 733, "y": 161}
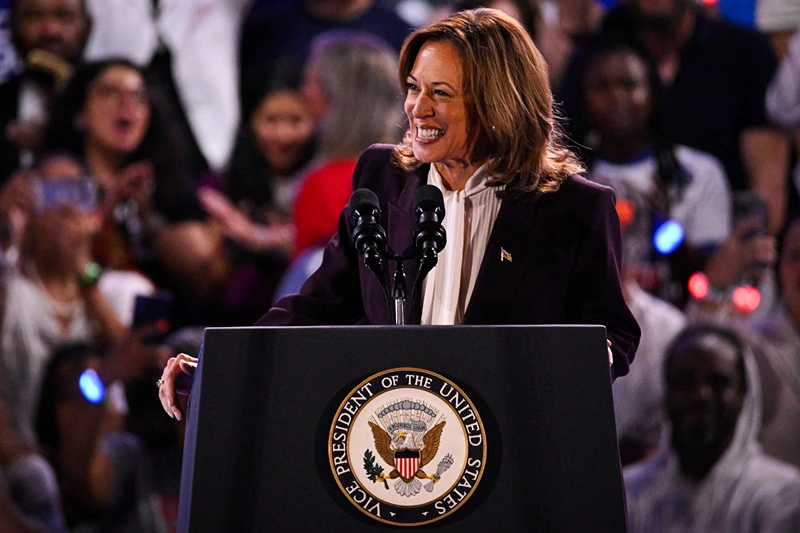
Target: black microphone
{"x": 369, "y": 237}
{"x": 430, "y": 236}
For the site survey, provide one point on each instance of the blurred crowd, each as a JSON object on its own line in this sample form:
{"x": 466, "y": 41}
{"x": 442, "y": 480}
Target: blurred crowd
{"x": 167, "y": 165}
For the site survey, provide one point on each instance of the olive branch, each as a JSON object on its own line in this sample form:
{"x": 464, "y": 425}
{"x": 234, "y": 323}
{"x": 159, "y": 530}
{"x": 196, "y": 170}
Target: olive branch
{"x": 374, "y": 471}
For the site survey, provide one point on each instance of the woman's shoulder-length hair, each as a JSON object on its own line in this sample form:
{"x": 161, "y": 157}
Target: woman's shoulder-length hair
{"x": 357, "y": 73}
{"x": 507, "y": 91}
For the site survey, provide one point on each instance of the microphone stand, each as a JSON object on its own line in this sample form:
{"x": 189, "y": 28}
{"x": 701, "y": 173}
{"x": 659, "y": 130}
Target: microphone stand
{"x": 429, "y": 260}
{"x": 399, "y": 294}
{"x": 397, "y": 297}
{"x": 369, "y": 239}
{"x": 374, "y": 262}
{"x": 397, "y": 307}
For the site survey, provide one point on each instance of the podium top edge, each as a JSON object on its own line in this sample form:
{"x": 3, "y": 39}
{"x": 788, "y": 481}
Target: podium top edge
{"x": 377, "y": 327}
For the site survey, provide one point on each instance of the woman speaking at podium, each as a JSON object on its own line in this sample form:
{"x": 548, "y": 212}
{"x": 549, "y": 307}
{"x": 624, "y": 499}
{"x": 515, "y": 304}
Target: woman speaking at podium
{"x": 528, "y": 240}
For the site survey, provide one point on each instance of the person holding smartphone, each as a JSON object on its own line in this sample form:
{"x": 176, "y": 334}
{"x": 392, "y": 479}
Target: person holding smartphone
{"x": 744, "y": 258}
{"x": 111, "y": 116}
{"x": 51, "y": 292}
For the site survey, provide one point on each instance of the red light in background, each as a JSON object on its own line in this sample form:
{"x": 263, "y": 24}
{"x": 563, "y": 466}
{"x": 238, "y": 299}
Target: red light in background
{"x": 710, "y": 2}
{"x": 746, "y": 298}
{"x": 698, "y": 285}
{"x": 625, "y": 212}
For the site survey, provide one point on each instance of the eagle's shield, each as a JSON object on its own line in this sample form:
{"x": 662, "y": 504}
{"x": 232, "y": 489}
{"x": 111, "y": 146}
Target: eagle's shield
{"x": 407, "y": 462}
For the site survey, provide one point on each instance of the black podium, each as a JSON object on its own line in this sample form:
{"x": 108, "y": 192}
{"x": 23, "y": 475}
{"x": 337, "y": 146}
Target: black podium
{"x": 260, "y": 420}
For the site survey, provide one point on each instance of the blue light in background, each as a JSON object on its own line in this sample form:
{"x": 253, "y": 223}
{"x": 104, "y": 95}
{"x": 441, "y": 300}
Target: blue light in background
{"x": 92, "y": 386}
{"x": 668, "y": 237}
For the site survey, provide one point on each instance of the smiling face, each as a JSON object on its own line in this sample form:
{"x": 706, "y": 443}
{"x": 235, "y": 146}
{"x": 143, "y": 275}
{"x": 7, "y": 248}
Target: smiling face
{"x": 282, "y": 126}
{"x": 438, "y": 117}
{"x": 705, "y": 395}
{"x": 117, "y": 111}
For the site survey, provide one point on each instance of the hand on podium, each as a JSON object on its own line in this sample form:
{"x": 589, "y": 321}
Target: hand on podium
{"x": 176, "y": 379}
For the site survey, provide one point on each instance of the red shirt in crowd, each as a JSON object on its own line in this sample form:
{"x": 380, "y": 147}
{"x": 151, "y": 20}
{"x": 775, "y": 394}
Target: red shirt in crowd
{"x": 323, "y": 195}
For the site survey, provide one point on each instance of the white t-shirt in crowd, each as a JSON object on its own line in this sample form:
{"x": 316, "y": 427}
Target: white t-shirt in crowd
{"x": 704, "y": 209}
{"x": 31, "y": 332}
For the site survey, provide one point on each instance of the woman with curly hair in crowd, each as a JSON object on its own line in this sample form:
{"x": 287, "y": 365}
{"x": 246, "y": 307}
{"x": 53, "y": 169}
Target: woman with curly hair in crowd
{"x": 109, "y": 116}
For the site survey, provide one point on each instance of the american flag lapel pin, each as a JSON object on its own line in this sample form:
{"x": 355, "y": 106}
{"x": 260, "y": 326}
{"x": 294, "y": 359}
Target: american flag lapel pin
{"x": 504, "y": 256}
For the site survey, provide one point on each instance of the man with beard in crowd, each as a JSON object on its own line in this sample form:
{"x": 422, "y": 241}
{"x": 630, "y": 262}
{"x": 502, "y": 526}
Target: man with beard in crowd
{"x": 711, "y": 474}
{"x": 49, "y": 36}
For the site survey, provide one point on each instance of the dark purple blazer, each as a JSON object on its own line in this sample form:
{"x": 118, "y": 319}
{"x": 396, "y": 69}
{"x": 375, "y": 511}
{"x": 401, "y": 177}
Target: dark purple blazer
{"x": 565, "y": 267}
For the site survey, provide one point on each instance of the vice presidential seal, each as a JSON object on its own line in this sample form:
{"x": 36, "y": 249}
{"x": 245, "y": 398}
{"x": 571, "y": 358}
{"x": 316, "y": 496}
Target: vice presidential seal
{"x": 407, "y": 447}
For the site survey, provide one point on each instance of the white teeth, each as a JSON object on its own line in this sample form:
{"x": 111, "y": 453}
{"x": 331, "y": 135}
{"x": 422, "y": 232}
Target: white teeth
{"x": 429, "y": 133}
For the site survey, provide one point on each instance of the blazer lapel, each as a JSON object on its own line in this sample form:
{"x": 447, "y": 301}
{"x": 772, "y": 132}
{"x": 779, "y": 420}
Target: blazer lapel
{"x": 509, "y": 252}
{"x": 400, "y": 236}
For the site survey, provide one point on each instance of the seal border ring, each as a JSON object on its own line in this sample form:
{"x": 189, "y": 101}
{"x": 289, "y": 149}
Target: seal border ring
{"x": 339, "y": 410}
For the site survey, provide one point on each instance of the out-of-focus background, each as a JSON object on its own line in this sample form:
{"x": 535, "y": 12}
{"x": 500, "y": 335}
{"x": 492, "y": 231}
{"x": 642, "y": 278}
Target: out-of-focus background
{"x": 167, "y": 165}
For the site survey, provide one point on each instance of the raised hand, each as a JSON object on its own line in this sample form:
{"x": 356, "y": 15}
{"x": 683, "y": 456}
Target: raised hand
{"x": 237, "y": 226}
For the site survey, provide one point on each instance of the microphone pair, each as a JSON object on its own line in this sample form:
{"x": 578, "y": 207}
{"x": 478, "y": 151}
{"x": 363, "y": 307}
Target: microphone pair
{"x": 369, "y": 237}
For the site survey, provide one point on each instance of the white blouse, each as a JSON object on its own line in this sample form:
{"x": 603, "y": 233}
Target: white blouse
{"x": 469, "y": 218}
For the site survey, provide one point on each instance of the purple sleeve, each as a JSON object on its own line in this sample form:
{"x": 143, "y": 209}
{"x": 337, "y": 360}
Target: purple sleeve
{"x": 595, "y": 294}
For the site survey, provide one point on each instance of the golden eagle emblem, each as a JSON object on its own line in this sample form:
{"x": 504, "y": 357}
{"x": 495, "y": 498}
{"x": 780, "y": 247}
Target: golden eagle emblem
{"x": 404, "y": 441}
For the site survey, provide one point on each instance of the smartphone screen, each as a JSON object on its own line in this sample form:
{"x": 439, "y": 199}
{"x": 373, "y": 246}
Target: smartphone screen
{"x": 748, "y": 205}
{"x": 155, "y": 311}
{"x": 53, "y": 192}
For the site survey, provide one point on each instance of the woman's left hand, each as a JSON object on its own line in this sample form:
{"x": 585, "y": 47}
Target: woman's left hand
{"x": 233, "y": 222}
{"x": 610, "y": 355}
{"x": 237, "y": 226}
{"x": 176, "y": 379}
